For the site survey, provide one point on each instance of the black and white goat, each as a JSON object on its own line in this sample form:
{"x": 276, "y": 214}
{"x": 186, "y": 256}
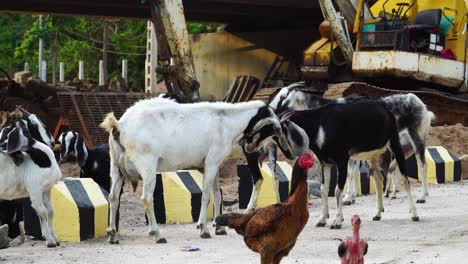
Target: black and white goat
{"x": 94, "y": 162}
{"x": 11, "y": 212}
{"x": 338, "y": 132}
{"x": 29, "y": 169}
{"x": 413, "y": 121}
{"x": 160, "y": 135}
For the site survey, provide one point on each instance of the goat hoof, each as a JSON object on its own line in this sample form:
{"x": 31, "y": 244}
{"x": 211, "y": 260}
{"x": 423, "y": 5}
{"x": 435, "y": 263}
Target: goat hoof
{"x": 393, "y": 197}
{"x": 347, "y": 203}
{"x": 377, "y": 218}
{"x": 205, "y": 235}
{"x": 319, "y": 224}
{"x": 220, "y": 231}
{"x": 152, "y": 233}
{"x": 421, "y": 201}
{"x": 51, "y": 245}
{"x": 415, "y": 218}
{"x": 335, "y": 226}
{"x": 161, "y": 241}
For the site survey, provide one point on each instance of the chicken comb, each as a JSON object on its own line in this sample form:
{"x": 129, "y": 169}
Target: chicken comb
{"x": 306, "y": 161}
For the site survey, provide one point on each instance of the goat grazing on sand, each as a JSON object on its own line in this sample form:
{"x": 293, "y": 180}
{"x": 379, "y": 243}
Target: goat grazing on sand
{"x": 338, "y": 132}
{"x": 29, "y": 169}
{"x": 160, "y": 135}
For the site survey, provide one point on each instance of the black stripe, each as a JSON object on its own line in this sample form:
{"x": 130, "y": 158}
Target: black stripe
{"x": 439, "y": 164}
{"x": 412, "y": 167}
{"x": 158, "y": 197}
{"x": 283, "y": 184}
{"x": 365, "y": 178}
{"x": 195, "y": 192}
{"x": 245, "y": 185}
{"x": 85, "y": 208}
{"x": 457, "y": 169}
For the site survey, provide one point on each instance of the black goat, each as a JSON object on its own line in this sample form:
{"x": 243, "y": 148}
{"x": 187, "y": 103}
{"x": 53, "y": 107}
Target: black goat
{"x": 94, "y": 162}
{"x": 362, "y": 130}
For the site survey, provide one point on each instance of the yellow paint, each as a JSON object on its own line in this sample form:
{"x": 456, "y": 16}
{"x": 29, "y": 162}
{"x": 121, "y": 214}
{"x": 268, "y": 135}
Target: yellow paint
{"x": 376, "y": 9}
{"x": 66, "y": 216}
{"x": 318, "y": 54}
{"x": 267, "y": 196}
{"x": 449, "y": 164}
{"x": 177, "y": 198}
{"x": 101, "y": 206}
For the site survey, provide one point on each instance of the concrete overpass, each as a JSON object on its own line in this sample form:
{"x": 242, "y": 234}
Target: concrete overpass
{"x": 276, "y": 13}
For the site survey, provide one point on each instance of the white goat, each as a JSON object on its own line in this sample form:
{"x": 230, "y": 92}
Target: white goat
{"x": 158, "y": 135}
{"x": 33, "y": 174}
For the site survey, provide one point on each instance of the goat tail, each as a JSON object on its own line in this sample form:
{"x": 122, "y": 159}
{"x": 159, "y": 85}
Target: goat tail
{"x": 110, "y": 123}
{"x": 397, "y": 150}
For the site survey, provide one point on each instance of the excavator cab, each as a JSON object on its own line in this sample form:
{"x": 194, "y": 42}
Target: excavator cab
{"x": 422, "y": 40}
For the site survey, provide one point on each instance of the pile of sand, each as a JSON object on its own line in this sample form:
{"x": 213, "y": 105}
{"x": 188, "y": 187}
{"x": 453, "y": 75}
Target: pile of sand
{"x": 453, "y": 138}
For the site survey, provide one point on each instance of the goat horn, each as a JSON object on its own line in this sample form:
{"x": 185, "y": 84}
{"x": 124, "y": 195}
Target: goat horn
{"x": 25, "y": 113}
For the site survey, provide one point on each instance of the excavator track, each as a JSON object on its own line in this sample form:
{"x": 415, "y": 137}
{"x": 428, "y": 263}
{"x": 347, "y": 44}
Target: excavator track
{"x": 448, "y": 110}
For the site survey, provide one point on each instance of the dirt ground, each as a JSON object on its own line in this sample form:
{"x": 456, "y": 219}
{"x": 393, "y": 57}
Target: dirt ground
{"x": 440, "y": 237}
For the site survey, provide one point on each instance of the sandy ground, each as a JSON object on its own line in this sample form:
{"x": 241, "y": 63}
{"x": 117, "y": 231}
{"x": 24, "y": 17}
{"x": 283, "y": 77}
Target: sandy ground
{"x": 440, "y": 237}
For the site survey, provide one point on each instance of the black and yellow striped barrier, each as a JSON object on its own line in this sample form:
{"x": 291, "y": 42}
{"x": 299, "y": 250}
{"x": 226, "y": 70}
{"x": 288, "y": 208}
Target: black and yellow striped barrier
{"x": 266, "y": 196}
{"x": 177, "y": 197}
{"x": 366, "y": 184}
{"x": 442, "y": 166}
{"x": 80, "y": 211}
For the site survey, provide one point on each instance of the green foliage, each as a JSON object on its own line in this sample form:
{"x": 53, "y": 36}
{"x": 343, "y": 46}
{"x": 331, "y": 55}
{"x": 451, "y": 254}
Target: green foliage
{"x": 70, "y": 39}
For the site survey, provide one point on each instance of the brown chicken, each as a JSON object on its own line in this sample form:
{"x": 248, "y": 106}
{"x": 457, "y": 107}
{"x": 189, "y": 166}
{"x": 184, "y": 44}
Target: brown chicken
{"x": 272, "y": 231}
{"x": 352, "y": 251}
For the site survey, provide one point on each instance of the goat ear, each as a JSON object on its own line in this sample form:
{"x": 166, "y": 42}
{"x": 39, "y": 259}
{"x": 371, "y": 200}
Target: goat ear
{"x": 286, "y": 116}
{"x": 16, "y": 141}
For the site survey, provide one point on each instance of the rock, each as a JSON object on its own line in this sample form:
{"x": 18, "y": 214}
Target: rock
{"x": 22, "y": 77}
{"x": 314, "y": 188}
{"x": 464, "y": 165}
{"x": 4, "y": 240}
{"x": 18, "y": 241}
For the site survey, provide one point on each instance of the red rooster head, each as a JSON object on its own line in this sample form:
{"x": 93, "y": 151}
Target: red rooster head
{"x": 306, "y": 161}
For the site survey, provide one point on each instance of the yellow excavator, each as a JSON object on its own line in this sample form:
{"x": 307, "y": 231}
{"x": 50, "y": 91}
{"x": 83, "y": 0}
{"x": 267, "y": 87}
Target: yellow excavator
{"x": 395, "y": 46}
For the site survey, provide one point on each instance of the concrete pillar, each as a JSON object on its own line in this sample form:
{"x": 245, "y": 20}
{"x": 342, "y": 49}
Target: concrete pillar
{"x": 101, "y": 72}
{"x": 44, "y": 71}
{"x": 151, "y": 61}
{"x": 81, "y": 70}
{"x": 62, "y": 72}
{"x": 125, "y": 70}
